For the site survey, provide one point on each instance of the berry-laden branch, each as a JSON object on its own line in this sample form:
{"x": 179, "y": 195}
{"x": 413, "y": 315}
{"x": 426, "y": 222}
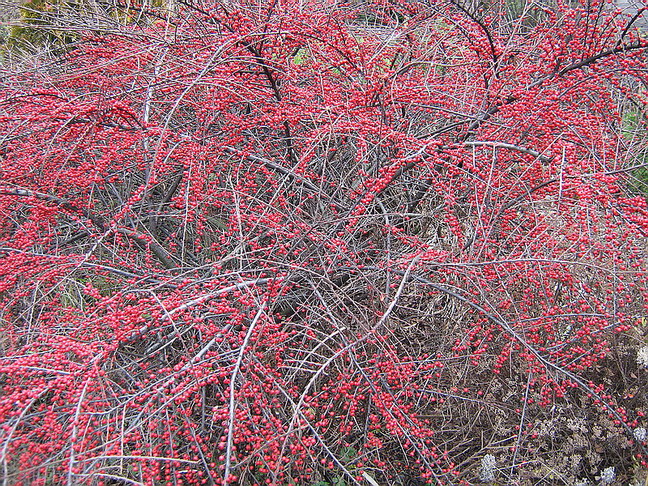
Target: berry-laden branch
{"x": 15, "y": 191}
{"x": 141, "y": 240}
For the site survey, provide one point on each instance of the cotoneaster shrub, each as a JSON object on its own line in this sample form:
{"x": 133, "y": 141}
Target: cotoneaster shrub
{"x": 297, "y": 242}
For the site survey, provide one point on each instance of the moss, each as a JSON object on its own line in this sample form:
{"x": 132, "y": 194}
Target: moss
{"x": 639, "y": 180}
{"x": 44, "y": 24}
{"x": 36, "y": 29}
{"x": 633, "y": 126}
